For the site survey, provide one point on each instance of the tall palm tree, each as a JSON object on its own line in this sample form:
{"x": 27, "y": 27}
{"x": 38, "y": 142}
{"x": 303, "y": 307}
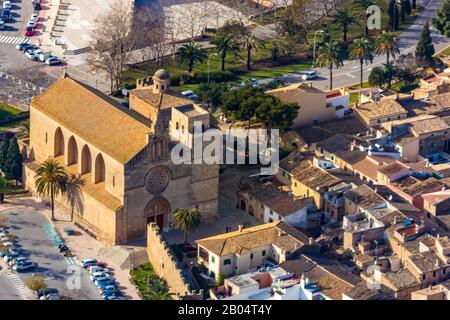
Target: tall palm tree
{"x": 330, "y": 55}
{"x": 191, "y": 53}
{"x": 73, "y": 193}
{"x": 361, "y": 49}
{"x": 387, "y": 44}
{"x": 186, "y": 220}
{"x": 3, "y": 185}
{"x": 363, "y": 5}
{"x": 344, "y": 19}
{"x": 225, "y": 45}
{"x": 51, "y": 180}
{"x": 250, "y": 43}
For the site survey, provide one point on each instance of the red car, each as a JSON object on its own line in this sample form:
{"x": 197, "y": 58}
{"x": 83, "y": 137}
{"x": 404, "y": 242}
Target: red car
{"x": 29, "y": 32}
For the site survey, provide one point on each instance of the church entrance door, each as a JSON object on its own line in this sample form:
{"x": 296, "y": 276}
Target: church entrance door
{"x": 159, "y": 219}
{"x": 157, "y": 211}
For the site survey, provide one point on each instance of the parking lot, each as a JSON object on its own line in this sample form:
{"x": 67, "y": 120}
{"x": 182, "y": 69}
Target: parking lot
{"x": 34, "y": 239}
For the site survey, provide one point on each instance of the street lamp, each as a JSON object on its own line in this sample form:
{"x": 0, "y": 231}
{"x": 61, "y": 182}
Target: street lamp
{"x": 209, "y": 60}
{"x": 314, "y": 50}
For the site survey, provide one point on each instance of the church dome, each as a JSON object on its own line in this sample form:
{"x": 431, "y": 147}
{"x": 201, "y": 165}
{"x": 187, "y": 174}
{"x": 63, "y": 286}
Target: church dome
{"x": 162, "y": 74}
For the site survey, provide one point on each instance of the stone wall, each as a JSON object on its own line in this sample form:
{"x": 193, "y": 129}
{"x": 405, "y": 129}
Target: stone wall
{"x": 165, "y": 263}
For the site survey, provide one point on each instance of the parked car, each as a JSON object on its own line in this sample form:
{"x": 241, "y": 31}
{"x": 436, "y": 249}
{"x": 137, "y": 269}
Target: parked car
{"x": 34, "y": 17}
{"x": 8, "y": 244}
{"x": 101, "y": 264}
{"x": 309, "y": 75}
{"x": 88, "y": 262}
{"x": 44, "y": 56}
{"x": 53, "y": 61}
{"x": 101, "y": 284}
{"x": 29, "y": 32}
{"x": 94, "y": 269}
{"x": 30, "y": 55}
{"x": 53, "y": 296}
{"x": 45, "y": 292}
{"x": 99, "y": 276}
{"x": 2, "y": 24}
{"x": 24, "y": 265}
{"x": 32, "y": 24}
{"x": 114, "y": 297}
{"x": 22, "y": 45}
{"x": 115, "y": 292}
{"x": 7, "y": 4}
{"x": 190, "y": 94}
{"x": 17, "y": 260}
{"x": 37, "y": 6}
{"x": 107, "y": 288}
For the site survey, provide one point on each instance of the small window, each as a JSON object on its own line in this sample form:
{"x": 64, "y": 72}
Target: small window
{"x": 263, "y": 253}
{"x": 434, "y": 274}
{"x": 213, "y": 259}
{"x": 226, "y": 262}
{"x": 114, "y": 181}
{"x": 46, "y": 137}
{"x": 283, "y": 173}
{"x": 398, "y": 117}
{"x": 423, "y": 276}
{"x": 444, "y": 270}
{"x": 251, "y": 255}
{"x": 432, "y": 145}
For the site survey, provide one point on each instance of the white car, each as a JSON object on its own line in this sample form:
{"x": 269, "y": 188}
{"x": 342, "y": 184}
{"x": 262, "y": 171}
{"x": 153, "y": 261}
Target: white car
{"x": 35, "y": 17}
{"x": 31, "y": 24}
{"x": 99, "y": 276}
{"x": 6, "y": 4}
{"x": 30, "y": 55}
{"x": 309, "y": 75}
{"x": 95, "y": 269}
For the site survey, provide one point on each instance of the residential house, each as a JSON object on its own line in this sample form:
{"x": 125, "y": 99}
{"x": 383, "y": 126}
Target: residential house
{"x": 377, "y": 95}
{"x": 237, "y": 252}
{"x": 437, "y": 203}
{"x": 375, "y": 113}
{"x": 312, "y": 102}
{"x": 392, "y": 171}
{"x": 334, "y": 201}
{"x": 361, "y": 199}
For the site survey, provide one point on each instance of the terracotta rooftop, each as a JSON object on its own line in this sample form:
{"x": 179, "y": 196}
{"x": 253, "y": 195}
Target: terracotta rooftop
{"x": 428, "y": 126}
{"x": 240, "y": 242}
{"x": 392, "y": 168}
{"x": 364, "y": 197}
{"x": 170, "y": 99}
{"x": 93, "y": 116}
{"x": 437, "y": 197}
{"x": 415, "y": 187}
{"x": 313, "y": 177}
{"x": 442, "y": 100}
{"x": 401, "y": 279}
{"x": 426, "y": 261}
{"x": 378, "y": 110}
{"x": 293, "y": 93}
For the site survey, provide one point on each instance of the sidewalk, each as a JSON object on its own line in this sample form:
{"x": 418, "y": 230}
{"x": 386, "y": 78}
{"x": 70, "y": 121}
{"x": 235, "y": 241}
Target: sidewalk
{"x": 81, "y": 244}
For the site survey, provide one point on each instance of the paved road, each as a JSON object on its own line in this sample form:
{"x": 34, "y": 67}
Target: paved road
{"x": 7, "y": 290}
{"x": 350, "y": 73}
{"x": 29, "y": 226}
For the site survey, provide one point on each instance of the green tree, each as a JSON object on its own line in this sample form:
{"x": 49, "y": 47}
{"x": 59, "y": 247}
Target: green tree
{"x": 3, "y": 186}
{"x": 186, "y": 220}
{"x": 387, "y": 44}
{"x": 425, "y": 48}
{"x": 394, "y": 15}
{"x": 442, "y": 20}
{"x": 221, "y": 279}
{"x": 389, "y": 71}
{"x": 330, "y": 55}
{"x": 4, "y": 153}
{"x": 377, "y": 77}
{"x": 276, "y": 114}
{"x": 362, "y": 49}
{"x": 13, "y": 163}
{"x": 211, "y": 94}
{"x": 191, "y": 53}
{"x": 51, "y": 180}
{"x": 36, "y": 283}
{"x": 344, "y": 18}
{"x": 250, "y": 43}
{"x": 224, "y": 46}
{"x": 74, "y": 195}
{"x": 403, "y": 11}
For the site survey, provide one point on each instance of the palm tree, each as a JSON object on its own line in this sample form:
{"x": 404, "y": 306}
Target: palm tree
{"x": 330, "y": 55}
{"x": 377, "y": 77}
{"x": 51, "y": 180}
{"x": 389, "y": 71}
{"x": 344, "y": 18}
{"x": 225, "y": 45}
{"x": 250, "y": 43}
{"x": 361, "y": 49}
{"x": 186, "y": 220}
{"x": 3, "y": 185}
{"x": 387, "y": 44}
{"x": 73, "y": 193}
{"x": 363, "y": 5}
{"x": 191, "y": 53}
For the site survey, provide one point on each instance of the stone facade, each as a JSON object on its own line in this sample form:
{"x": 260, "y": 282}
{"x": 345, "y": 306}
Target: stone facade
{"x": 122, "y": 192}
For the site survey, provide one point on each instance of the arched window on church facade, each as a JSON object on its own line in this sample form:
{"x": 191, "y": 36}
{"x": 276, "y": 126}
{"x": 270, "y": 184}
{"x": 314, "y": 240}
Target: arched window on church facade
{"x": 86, "y": 160}
{"x": 72, "y": 152}
{"x": 99, "y": 169}
{"x": 59, "y": 143}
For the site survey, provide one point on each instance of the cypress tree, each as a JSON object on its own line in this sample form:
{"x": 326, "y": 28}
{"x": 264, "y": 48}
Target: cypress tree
{"x": 394, "y": 15}
{"x": 425, "y": 48}
{"x": 403, "y": 11}
{"x": 13, "y": 164}
{"x": 3, "y": 153}
{"x": 407, "y": 5}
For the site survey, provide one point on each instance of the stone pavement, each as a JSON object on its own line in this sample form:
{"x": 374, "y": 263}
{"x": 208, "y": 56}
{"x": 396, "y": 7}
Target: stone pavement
{"x": 82, "y": 245}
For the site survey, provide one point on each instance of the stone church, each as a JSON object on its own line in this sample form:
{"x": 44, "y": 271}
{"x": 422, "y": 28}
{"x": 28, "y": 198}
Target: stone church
{"x": 123, "y": 154}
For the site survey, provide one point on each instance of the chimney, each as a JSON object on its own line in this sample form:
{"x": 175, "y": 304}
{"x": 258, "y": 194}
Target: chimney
{"x": 311, "y": 240}
{"x": 437, "y": 263}
{"x": 443, "y": 189}
{"x": 395, "y": 220}
{"x": 240, "y": 228}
